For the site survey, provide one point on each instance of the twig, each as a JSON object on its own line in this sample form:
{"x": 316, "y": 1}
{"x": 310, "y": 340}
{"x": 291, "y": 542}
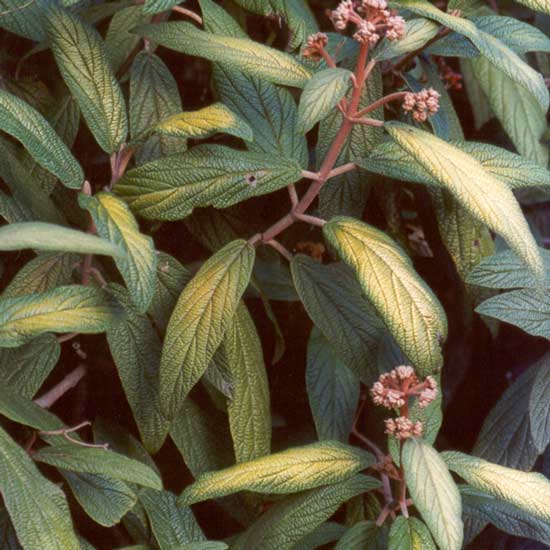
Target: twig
{"x": 293, "y": 195}
{"x": 313, "y": 220}
{"x": 310, "y": 175}
{"x": 382, "y": 101}
{"x": 19, "y": 8}
{"x": 348, "y": 167}
{"x": 62, "y": 387}
{"x": 367, "y": 122}
{"x": 66, "y": 337}
{"x": 386, "y": 511}
{"x": 66, "y": 431}
{"x": 281, "y": 249}
{"x": 188, "y": 13}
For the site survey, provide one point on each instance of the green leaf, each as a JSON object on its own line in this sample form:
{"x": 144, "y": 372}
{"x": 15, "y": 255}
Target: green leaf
{"x": 506, "y": 270}
{"x": 115, "y": 223}
{"x": 136, "y": 349}
{"x": 296, "y": 469}
{"x": 528, "y": 309}
{"x": 37, "y": 507}
{"x": 248, "y": 408}
{"x": 418, "y": 33}
{"x": 335, "y": 302}
{"x": 434, "y": 493}
{"x": 170, "y": 281}
{"x": 28, "y": 126}
{"x": 201, "y": 317}
{"x": 505, "y": 437}
{"x": 22, "y": 18}
{"x": 172, "y": 526}
{"x": 204, "y": 123}
{"x": 80, "y": 55}
{"x": 47, "y": 236}
{"x": 26, "y": 368}
{"x": 490, "y": 47}
{"x": 485, "y": 197}
{"x": 510, "y": 519}
{"x": 74, "y": 308}
{"x": 98, "y": 461}
{"x": 361, "y": 535}
{"x": 157, "y": 6}
{"x": 528, "y": 491}
{"x": 539, "y": 5}
{"x": 326, "y": 533}
{"x": 410, "y": 534}
{"x": 106, "y": 500}
{"x": 285, "y": 524}
{"x": 321, "y": 94}
{"x": 208, "y": 175}
{"x": 7, "y": 532}
{"x": 332, "y": 390}
{"x": 240, "y": 54}
{"x": 411, "y": 311}
{"x": 539, "y": 404}
{"x": 154, "y": 96}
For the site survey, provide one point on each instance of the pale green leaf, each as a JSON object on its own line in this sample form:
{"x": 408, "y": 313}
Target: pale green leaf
{"x": 326, "y": 533}
{"x": 115, "y": 223}
{"x": 202, "y": 315}
{"x": 88, "y": 460}
{"x": 526, "y": 490}
{"x": 47, "y": 236}
{"x": 418, "y": 32}
{"x": 506, "y": 270}
{"x": 207, "y": 175}
{"x": 13, "y": 210}
{"x": 172, "y": 526}
{"x": 37, "y": 507}
{"x": 156, "y": 6}
{"x": 479, "y": 102}
{"x": 409, "y": 534}
{"x": 27, "y": 125}
{"x": 411, "y": 311}
{"x": 154, "y": 96}
{"x": 136, "y": 349}
{"x": 539, "y": 5}
{"x": 528, "y": 309}
{"x": 332, "y": 390}
{"x": 335, "y": 302}
{"x": 241, "y": 54}
{"x": 359, "y": 536}
{"x": 434, "y": 493}
{"x": 80, "y": 55}
{"x": 485, "y": 197}
{"x": 76, "y": 308}
{"x": 505, "y": 437}
{"x": 285, "y": 524}
{"x": 296, "y": 469}
{"x": 22, "y": 18}
{"x": 26, "y": 368}
{"x": 539, "y": 404}
{"x": 321, "y": 94}
{"x": 204, "y": 123}
{"x": 248, "y": 409}
{"x": 104, "y": 499}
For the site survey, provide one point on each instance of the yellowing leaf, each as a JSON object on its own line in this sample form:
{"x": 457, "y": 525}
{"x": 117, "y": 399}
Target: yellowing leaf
{"x": 80, "y": 55}
{"x": 434, "y": 493}
{"x": 485, "y": 197}
{"x": 205, "y": 122}
{"x": 238, "y": 53}
{"x": 409, "y": 534}
{"x": 208, "y": 175}
{"x": 539, "y": 5}
{"x": 37, "y": 507}
{"x": 290, "y": 471}
{"x": 406, "y": 304}
{"x": 27, "y": 125}
{"x": 115, "y": 223}
{"x": 527, "y": 490}
{"x": 201, "y": 317}
{"x": 64, "y": 309}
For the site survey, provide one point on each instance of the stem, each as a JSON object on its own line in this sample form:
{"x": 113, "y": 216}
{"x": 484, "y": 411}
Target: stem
{"x": 70, "y": 381}
{"x": 372, "y": 446}
{"x": 281, "y": 249}
{"x": 348, "y": 167}
{"x": 310, "y": 175}
{"x": 66, "y": 431}
{"x": 382, "y": 101}
{"x": 325, "y": 55}
{"x": 188, "y": 13}
{"x": 313, "y": 220}
{"x": 66, "y": 337}
{"x": 368, "y": 122}
{"x": 294, "y": 200}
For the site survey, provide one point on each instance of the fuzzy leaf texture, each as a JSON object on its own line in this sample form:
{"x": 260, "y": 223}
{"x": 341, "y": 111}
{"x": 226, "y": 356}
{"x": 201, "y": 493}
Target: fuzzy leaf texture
{"x": 37, "y": 507}
{"x": 27, "y": 125}
{"x": 208, "y": 175}
{"x": 202, "y": 314}
{"x": 241, "y": 54}
{"x": 485, "y": 197}
{"x": 409, "y": 308}
{"x": 526, "y": 490}
{"x": 410, "y": 534}
{"x": 434, "y": 493}
{"x": 539, "y": 404}
{"x": 115, "y": 223}
{"x": 75, "y": 308}
{"x": 539, "y": 5}
{"x": 80, "y": 55}
{"x": 296, "y": 469}
{"x": 320, "y": 95}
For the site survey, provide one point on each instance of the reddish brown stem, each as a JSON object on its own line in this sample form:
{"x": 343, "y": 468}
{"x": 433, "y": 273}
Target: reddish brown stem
{"x": 382, "y": 101}
{"x": 188, "y": 13}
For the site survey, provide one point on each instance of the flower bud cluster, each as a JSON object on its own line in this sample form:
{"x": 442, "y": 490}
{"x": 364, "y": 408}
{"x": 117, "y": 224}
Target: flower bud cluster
{"x": 372, "y": 19}
{"x": 403, "y": 428}
{"x": 422, "y": 104}
{"x": 315, "y": 44}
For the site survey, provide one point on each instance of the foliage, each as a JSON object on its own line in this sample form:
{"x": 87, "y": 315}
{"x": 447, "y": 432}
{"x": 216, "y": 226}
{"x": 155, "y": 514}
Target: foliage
{"x": 233, "y": 233}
